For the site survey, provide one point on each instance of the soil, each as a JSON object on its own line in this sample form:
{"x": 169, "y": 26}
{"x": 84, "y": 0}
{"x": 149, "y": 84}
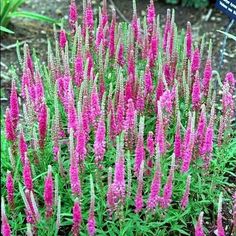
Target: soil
{"x": 36, "y": 33}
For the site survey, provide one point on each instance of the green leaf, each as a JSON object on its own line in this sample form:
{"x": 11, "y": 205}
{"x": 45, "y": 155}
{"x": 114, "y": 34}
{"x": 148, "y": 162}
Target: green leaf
{"x": 231, "y": 36}
{"x": 33, "y": 15}
{"x": 6, "y": 30}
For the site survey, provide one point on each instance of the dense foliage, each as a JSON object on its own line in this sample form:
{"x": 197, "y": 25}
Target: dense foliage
{"x": 120, "y": 133}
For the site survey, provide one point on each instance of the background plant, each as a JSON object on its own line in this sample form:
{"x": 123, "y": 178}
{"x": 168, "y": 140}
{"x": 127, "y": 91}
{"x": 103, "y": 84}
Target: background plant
{"x": 11, "y": 9}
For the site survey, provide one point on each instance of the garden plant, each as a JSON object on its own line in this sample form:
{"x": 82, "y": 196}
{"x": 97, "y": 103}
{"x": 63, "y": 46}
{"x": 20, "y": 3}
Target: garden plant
{"x": 121, "y": 132}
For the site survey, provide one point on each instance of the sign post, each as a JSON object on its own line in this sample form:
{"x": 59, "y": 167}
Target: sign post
{"x": 228, "y": 7}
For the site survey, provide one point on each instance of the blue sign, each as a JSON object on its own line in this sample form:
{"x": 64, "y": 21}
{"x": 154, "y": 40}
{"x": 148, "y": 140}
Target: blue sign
{"x": 228, "y": 7}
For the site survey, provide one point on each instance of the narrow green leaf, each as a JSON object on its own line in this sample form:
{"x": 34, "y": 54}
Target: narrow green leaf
{"x": 6, "y": 30}
{"x": 33, "y": 15}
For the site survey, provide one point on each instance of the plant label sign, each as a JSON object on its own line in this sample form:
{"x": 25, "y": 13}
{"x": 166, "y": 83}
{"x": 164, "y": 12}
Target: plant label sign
{"x": 228, "y": 7}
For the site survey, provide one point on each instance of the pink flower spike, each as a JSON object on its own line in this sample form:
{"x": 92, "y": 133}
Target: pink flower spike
{"x": 62, "y": 39}
{"x": 118, "y": 186}
{"x": 196, "y": 93}
{"x": 178, "y": 141}
{"x": 130, "y": 115}
{"x": 73, "y": 15}
{"x": 220, "y": 229}
{"x": 95, "y": 105}
{"x": 14, "y": 107}
{"x": 48, "y": 193}
{"x": 150, "y": 144}
{"x": 5, "y": 227}
{"x": 189, "y": 39}
{"x": 9, "y": 127}
{"x": 156, "y": 184}
{"x": 196, "y": 60}
{"x": 28, "y": 181}
{"x": 185, "y": 198}
{"x": 100, "y": 142}
{"x": 207, "y": 76}
{"x": 148, "y": 81}
{"x": 188, "y": 144}
{"x": 139, "y": 194}
{"x": 74, "y": 177}
{"x": 160, "y": 131}
{"x": 10, "y": 189}
{"x": 167, "y": 192}
{"x": 89, "y": 16}
{"x": 77, "y": 218}
{"x": 199, "y": 228}
{"x": 43, "y": 120}
{"x": 139, "y": 151}
{"x": 151, "y": 16}
{"x": 167, "y": 29}
{"x": 104, "y": 13}
{"x": 91, "y": 225}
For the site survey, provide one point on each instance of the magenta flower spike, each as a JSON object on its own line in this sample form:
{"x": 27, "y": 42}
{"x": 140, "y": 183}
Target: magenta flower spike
{"x": 220, "y": 229}
{"x": 110, "y": 198}
{"x": 77, "y": 218}
{"x": 104, "y": 13}
{"x": 185, "y": 198}
{"x": 10, "y": 189}
{"x": 118, "y": 186}
{"x": 120, "y": 59}
{"x": 100, "y": 142}
{"x": 196, "y": 93}
{"x": 196, "y": 60}
{"x": 120, "y": 112}
{"x": 199, "y": 227}
{"x": 43, "y": 122}
{"x": 207, "y": 76}
{"x": 112, "y": 34}
{"x": 48, "y": 193}
{"x": 72, "y": 115}
{"x": 139, "y": 194}
{"x": 150, "y": 144}
{"x": 200, "y": 132}
{"x": 207, "y": 146}
{"x": 79, "y": 71}
{"x": 130, "y": 116}
{"x": 189, "y": 40}
{"x": 95, "y": 105}
{"x": 91, "y": 225}
{"x": 14, "y": 107}
{"x": 9, "y": 127}
{"x": 5, "y": 226}
{"x": 139, "y": 151}
{"x": 89, "y": 16}
{"x": 156, "y": 184}
{"x": 178, "y": 140}
{"x": 167, "y": 29}
{"x": 168, "y": 188}
{"x": 151, "y": 17}
{"x": 148, "y": 81}
{"x": 74, "y": 177}
{"x": 27, "y": 177}
{"x": 160, "y": 132}
{"x": 188, "y": 144}
{"x": 62, "y": 39}
{"x": 73, "y": 15}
